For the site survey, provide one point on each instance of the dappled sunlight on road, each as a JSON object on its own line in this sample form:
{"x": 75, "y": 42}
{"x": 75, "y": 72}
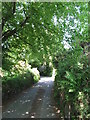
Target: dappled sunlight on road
{"x": 46, "y": 79}
{"x": 36, "y": 102}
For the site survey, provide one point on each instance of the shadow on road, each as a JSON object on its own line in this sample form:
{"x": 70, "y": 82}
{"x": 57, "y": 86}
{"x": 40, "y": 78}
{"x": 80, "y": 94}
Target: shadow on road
{"x": 35, "y": 102}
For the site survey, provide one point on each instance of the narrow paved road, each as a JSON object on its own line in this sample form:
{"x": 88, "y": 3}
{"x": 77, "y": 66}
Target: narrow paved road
{"x": 36, "y": 102}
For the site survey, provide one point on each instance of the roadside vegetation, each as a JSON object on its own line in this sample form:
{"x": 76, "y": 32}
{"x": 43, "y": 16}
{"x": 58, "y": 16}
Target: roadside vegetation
{"x": 39, "y": 37}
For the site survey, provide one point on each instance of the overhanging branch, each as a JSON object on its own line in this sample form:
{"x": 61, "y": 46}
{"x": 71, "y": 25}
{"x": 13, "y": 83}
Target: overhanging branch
{"x": 9, "y": 33}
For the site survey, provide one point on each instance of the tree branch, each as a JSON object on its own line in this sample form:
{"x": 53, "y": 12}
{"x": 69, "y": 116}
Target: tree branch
{"x": 3, "y": 22}
{"x": 14, "y": 7}
{"x": 12, "y": 11}
{"x": 9, "y": 33}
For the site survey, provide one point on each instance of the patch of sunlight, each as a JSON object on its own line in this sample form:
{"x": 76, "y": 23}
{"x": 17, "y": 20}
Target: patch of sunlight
{"x": 1, "y": 73}
{"x": 39, "y": 99}
{"x": 21, "y": 101}
{"x": 55, "y": 20}
{"x": 24, "y": 77}
{"x": 53, "y": 114}
{"x": 47, "y": 115}
{"x": 32, "y": 117}
{"x": 56, "y": 108}
{"x": 58, "y": 111}
{"x": 27, "y": 113}
{"x": 35, "y": 71}
{"x": 80, "y": 65}
{"x": 23, "y": 114}
{"x": 46, "y": 79}
{"x": 71, "y": 90}
{"x": 12, "y": 111}
{"x": 80, "y": 95}
{"x": 48, "y": 86}
{"x": 8, "y": 111}
{"x": 81, "y": 105}
{"x": 53, "y": 74}
{"x": 39, "y": 86}
{"x": 67, "y": 73}
{"x": 66, "y": 44}
{"x": 49, "y": 105}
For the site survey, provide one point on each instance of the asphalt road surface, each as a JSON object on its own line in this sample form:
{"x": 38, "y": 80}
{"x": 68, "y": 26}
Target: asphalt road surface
{"x": 35, "y": 102}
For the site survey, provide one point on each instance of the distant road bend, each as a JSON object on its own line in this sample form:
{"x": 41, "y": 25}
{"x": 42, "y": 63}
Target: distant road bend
{"x": 35, "y": 102}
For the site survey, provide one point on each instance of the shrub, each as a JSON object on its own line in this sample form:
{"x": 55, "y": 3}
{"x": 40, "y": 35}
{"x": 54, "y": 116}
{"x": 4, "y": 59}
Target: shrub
{"x": 35, "y": 74}
{"x": 15, "y": 84}
{"x": 72, "y": 84}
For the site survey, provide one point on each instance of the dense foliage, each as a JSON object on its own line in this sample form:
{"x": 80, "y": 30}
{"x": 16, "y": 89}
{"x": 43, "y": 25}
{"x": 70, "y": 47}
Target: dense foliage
{"x": 72, "y": 84}
{"x": 47, "y": 35}
{"x": 22, "y": 76}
